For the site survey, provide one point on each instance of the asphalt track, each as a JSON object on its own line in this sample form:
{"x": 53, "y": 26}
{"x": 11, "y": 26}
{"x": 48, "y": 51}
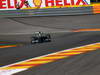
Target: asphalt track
{"x": 85, "y": 64}
{"x": 61, "y": 42}
{"x": 47, "y": 24}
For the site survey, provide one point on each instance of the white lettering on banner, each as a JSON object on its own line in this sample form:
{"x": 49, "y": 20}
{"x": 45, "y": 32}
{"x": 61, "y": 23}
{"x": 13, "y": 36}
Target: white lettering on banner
{"x": 11, "y": 4}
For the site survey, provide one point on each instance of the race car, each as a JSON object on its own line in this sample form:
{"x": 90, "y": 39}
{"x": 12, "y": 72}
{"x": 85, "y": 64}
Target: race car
{"x": 40, "y": 37}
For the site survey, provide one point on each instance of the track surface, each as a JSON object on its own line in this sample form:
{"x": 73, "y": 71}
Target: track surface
{"x": 61, "y": 42}
{"x": 77, "y": 65}
{"x": 48, "y": 24}
{"x": 84, "y": 64}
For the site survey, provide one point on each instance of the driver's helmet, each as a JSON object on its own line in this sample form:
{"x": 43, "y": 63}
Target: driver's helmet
{"x": 38, "y": 32}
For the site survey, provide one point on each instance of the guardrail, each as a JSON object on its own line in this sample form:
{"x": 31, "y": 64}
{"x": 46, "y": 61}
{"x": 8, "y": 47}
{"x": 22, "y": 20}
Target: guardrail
{"x": 92, "y": 9}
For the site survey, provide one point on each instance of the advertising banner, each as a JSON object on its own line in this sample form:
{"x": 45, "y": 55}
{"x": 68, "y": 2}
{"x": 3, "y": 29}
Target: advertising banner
{"x": 22, "y": 4}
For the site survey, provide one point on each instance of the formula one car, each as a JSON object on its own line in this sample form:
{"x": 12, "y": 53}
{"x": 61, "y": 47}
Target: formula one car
{"x": 40, "y": 37}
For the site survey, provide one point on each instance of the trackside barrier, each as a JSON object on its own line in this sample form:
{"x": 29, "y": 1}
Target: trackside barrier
{"x": 47, "y": 12}
{"x": 96, "y": 8}
{"x": 92, "y": 9}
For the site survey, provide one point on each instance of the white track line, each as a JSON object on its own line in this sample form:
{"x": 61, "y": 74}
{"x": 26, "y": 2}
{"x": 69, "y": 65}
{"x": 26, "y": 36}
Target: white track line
{"x": 10, "y": 72}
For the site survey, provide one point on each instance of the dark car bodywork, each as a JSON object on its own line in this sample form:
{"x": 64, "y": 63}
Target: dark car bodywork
{"x": 40, "y": 38}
